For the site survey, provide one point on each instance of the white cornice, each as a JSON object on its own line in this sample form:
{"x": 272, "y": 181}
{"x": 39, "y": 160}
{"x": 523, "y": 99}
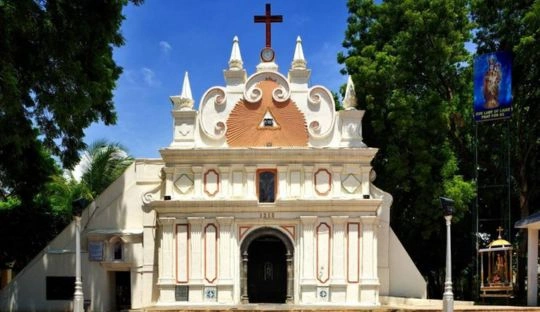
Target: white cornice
{"x": 250, "y": 206}
{"x": 254, "y": 156}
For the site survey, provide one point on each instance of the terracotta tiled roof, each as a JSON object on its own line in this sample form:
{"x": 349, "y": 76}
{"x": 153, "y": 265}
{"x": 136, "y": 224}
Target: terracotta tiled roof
{"x": 245, "y": 126}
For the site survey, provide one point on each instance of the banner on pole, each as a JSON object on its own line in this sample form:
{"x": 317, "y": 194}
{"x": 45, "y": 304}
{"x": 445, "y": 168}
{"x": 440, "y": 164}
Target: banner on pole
{"x": 492, "y": 86}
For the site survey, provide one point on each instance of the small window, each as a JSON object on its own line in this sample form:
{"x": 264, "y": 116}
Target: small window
{"x": 267, "y": 186}
{"x": 118, "y": 250}
{"x": 268, "y": 122}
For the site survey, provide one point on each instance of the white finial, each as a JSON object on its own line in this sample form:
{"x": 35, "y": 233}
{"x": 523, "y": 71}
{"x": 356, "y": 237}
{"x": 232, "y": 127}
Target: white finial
{"x": 349, "y": 100}
{"x": 235, "y": 62}
{"x": 299, "y": 62}
{"x": 186, "y": 88}
{"x": 184, "y": 101}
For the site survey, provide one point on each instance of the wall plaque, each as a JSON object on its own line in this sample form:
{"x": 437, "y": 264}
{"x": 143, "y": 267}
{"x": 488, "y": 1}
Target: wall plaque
{"x": 95, "y": 251}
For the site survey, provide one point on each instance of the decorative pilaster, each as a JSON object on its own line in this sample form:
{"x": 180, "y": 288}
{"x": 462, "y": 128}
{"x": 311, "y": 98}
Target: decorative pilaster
{"x": 169, "y": 174}
{"x": 369, "y": 281}
{"x": 251, "y": 190}
{"x": 336, "y": 181}
{"x": 225, "y": 181}
{"x": 197, "y": 183}
{"x": 338, "y": 250}
{"x": 282, "y": 187}
{"x": 308, "y": 249}
{"x": 308, "y": 181}
{"x": 243, "y": 278}
{"x": 365, "y": 180}
{"x": 166, "y": 280}
{"x": 225, "y": 249}
{"x": 195, "y": 225}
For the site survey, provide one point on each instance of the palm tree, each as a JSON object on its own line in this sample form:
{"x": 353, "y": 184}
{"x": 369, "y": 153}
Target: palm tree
{"x": 101, "y": 164}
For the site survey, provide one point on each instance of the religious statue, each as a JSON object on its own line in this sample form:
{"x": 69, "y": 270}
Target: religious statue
{"x": 492, "y": 80}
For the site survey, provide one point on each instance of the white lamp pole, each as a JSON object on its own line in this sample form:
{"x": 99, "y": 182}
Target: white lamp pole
{"x": 78, "y": 297}
{"x": 448, "y": 296}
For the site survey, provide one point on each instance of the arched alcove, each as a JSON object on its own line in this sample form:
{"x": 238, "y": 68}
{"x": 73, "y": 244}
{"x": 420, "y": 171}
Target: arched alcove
{"x": 266, "y": 274}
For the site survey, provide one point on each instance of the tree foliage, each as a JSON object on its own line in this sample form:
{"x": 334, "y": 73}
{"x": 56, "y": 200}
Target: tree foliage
{"x": 56, "y": 78}
{"x": 514, "y": 27}
{"x": 409, "y": 64}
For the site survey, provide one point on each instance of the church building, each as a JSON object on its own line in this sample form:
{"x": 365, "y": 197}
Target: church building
{"x": 264, "y": 195}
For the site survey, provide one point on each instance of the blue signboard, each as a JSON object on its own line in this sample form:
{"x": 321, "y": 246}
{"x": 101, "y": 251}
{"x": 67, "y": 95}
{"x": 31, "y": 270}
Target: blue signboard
{"x": 492, "y": 86}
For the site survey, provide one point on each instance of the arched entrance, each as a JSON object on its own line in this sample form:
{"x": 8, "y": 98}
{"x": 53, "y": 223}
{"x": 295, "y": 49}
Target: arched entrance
{"x": 267, "y": 267}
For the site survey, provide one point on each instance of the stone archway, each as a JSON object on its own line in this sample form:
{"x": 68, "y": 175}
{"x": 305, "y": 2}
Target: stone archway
{"x": 267, "y": 264}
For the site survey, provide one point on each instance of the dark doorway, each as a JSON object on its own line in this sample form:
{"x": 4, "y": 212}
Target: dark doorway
{"x": 122, "y": 289}
{"x": 267, "y": 270}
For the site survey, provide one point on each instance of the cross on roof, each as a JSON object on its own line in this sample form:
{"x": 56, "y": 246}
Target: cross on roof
{"x": 500, "y": 230}
{"x": 268, "y": 19}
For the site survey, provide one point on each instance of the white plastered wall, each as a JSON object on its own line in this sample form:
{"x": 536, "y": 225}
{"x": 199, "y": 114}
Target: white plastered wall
{"x": 118, "y": 209}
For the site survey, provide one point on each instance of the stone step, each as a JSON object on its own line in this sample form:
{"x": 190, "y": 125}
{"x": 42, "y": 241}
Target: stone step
{"x": 296, "y": 308}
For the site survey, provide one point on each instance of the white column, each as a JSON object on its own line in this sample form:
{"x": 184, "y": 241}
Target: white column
{"x": 365, "y": 180}
{"x": 308, "y": 181}
{"x": 282, "y": 191}
{"x": 225, "y": 249}
{"x": 197, "y": 181}
{"x": 196, "y": 261}
{"x": 338, "y": 250}
{"x": 532, "y": 267}
{"x": 250, "y": 179}
{"x": 225, "y": 182}
{"x": 369, "y": 280}
{"x": 166, "y": 280}
{"x": 308, "y": 252}
{"x": 169, "y": 172}
{"x": 336, "y": 181}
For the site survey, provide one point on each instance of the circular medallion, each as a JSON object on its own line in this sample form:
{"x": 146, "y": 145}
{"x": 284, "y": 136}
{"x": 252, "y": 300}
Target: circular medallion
{"x": 267, "y": 54}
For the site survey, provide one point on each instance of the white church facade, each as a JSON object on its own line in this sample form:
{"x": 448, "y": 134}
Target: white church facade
{"x": 265, "y": 195}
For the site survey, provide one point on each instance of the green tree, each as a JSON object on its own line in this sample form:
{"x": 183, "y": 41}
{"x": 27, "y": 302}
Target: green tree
{"x": 409, "y": 65}
{"x": 56, "y": 78}
{"x": 514, "y": 26}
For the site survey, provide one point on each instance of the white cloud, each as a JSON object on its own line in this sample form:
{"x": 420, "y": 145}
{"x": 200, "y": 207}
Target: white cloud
{"x": 165, "y": 47}
{"x": 149, "y": 77}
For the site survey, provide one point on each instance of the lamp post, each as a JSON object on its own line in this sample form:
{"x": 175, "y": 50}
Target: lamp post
{"x": 448, "y": 296}
{"x": 78, "y": 297}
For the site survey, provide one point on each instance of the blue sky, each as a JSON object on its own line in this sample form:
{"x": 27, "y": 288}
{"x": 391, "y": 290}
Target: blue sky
{"x": 166, "y": 38}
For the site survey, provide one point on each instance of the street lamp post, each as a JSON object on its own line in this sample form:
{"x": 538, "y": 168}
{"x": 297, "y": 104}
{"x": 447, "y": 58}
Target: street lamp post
{"x": 78, "y": 297}
{"x": 448, "y": 296}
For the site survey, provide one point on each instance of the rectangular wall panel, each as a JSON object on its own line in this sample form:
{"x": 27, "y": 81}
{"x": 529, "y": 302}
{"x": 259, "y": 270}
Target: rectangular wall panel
{"x": 210, "y": 253}
{"x": 182, "y": 253}
{"x": 323, "y": 252}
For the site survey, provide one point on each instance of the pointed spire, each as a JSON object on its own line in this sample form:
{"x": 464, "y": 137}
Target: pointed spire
{"x": 186, "y": 88}
{"x": 235, "y": 62}
{"x": 299, "y": 62}
{"x": 349, "y": 100}
{"x": 184, "y": 101}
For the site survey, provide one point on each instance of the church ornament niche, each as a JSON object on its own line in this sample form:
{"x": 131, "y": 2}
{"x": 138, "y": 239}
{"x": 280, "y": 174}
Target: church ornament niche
{"x": 496, "y": 274}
